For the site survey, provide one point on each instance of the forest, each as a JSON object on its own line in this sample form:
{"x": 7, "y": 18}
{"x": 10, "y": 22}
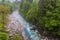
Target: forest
{"x": 43, "y": 14}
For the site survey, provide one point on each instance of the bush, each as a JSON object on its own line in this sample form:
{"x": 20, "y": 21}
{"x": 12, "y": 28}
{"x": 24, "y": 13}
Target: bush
{"x": 3, "y": 36}
{"x": 52, "y": 20}
{"x": 4, "y": 11}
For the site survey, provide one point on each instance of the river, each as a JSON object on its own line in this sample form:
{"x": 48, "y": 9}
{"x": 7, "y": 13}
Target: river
{"x": 17, "y": 23}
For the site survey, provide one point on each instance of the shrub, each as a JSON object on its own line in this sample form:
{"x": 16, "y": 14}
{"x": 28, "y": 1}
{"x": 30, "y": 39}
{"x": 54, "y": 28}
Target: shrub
{"x": 3, "y": 36}
{"x": 4, "y": 11}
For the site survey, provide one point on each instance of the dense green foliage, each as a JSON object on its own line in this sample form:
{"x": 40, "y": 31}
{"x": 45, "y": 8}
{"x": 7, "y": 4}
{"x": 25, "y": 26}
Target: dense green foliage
{"x": 29, "y": 11}
{"x": 3, "y": 36}
{"x": 4, "y": 11}
{"x": 44, "y": 14}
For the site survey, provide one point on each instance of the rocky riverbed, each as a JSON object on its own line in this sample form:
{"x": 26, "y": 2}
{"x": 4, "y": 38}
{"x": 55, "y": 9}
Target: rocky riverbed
{"x": 17, "y": 25}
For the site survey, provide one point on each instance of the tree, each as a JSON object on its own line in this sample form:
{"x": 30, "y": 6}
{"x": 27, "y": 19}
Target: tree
{"x": 44, "y": 14}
